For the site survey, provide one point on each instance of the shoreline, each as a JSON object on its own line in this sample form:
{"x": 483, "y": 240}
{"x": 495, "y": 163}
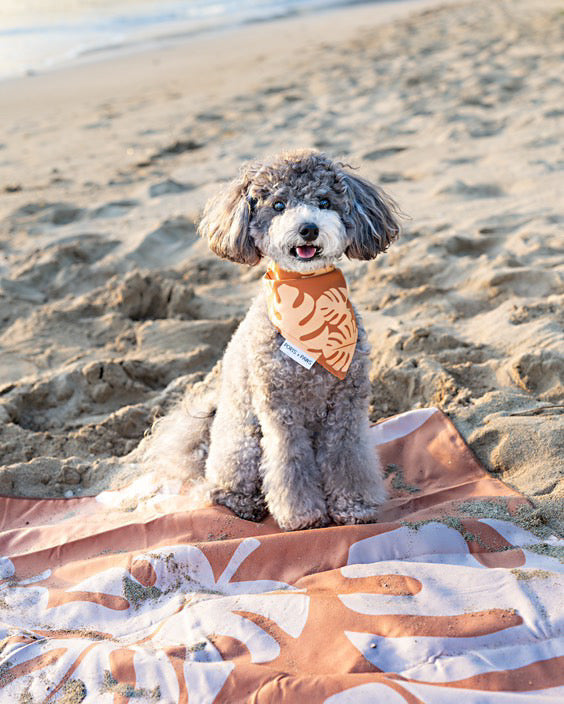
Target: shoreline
{"x": 176, "y": 52}
{"x": 88, "y": 33}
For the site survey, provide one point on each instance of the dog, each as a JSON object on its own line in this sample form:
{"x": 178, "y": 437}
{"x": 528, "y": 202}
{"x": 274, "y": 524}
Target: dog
{"x": 289, "y": 435}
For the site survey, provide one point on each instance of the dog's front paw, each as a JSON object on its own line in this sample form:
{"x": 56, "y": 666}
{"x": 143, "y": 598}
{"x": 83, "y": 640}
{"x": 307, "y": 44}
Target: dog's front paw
{"x": 348, "y": 510}
{"x": 294, "y": 512}
{"x": 250, "y": 507}
{"x": 300, "y": 522}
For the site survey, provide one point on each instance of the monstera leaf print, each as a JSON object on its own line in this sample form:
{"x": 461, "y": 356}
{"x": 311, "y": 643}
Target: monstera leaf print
{"x": 340, "y": 348}
{"x": 317, "y": 322}
{"x": 101, "y": 604}
{"x": 165, "y": 607}
{"x": 333, "y": 306}
{"x": 340, "y": 344}
{"x": 292, "y": 305}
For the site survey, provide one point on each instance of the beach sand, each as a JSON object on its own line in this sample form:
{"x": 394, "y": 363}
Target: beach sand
{"x": 111, "y": 306}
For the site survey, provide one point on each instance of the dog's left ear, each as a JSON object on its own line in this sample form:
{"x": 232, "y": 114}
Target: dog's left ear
{"x": 372, "y": 219}
{"x": 226, "y": 223}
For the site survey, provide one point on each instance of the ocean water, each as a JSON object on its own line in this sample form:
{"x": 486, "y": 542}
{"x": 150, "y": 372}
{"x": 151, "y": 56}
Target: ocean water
{"x": 36, "y": 35}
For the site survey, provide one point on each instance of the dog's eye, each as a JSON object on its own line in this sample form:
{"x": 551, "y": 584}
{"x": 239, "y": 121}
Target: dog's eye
{"x": 324, "y": 203}
{"x": 279, "y": 205}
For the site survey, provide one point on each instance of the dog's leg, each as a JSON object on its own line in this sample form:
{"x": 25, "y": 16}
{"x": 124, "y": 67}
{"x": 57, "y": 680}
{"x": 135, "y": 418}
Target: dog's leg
{"x": 233, "y": 466}
{"x": 291, "y": 479}
{"x": 350, "y": 466}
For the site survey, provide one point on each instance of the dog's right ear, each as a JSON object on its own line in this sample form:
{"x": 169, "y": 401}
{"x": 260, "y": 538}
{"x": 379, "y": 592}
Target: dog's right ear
{"x": 226, "y": 222}
{"x": 373, "y": 220}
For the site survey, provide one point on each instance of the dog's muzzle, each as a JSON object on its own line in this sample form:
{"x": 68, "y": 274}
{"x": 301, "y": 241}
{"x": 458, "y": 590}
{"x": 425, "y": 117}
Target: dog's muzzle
{"x": 309, "y": 232}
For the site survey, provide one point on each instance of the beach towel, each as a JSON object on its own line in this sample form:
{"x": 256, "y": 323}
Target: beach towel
{"x": 129, "y": 596}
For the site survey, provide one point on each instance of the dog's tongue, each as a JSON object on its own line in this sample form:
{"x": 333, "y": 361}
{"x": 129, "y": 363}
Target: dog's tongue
{"x": 306, "y": 252}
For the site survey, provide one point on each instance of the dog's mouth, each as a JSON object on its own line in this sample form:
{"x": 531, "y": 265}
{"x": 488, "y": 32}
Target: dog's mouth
{"x": 305, "y": 252}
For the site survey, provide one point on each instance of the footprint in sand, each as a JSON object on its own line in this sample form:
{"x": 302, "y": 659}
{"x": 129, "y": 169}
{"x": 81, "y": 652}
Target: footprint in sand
{"x": 431, "y": 339}
{"x": 460, "y": 160}
{"x": 523, "y": 281}
{"x": 166, "y": 245}
{"x": 541, "y": 142}
{"x": 476, "y": 190}
{"x": 394, "y": 177}
{"x": 382, "y": 153}
{"x": 476, "y": 127}
{"x": 54, "y": 267}
{"x": 180, "y": 146}
{"x": 534, "y": 311}
{"x": 50, "y": 213}
{"x": 149, "y": 296}
{"x": 504, "y": 223}
{"x": 105, "y": 406}
{"x": 169, "y": 187}
{"x": 276, "y": 89}
{"x": 414, "y": 277}
{"x": 462, "y": 246}
{"x": 115, "y": 209}
{"x": 486, "y": 128}
{"x": 91, "y": 394}
{"x": 540, "y": 373}
{"x": 209, "y": 117}
{"x": 68, "y": 398}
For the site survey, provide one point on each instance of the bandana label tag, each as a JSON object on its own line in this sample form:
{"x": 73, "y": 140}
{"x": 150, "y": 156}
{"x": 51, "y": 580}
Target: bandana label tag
{"x": 297, "y": 354}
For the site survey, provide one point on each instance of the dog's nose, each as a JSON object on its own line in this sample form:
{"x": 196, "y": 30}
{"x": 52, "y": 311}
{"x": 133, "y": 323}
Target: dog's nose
{"x": 309, "y": 231}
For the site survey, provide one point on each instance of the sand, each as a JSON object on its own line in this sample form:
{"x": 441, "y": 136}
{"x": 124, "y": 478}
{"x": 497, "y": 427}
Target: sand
{"x": 110, "y": 306}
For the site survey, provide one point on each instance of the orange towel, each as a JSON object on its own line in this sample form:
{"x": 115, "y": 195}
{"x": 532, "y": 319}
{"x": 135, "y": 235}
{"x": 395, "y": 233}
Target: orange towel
{"x": 133, "y": 595}
{"x": 313, "y": 312}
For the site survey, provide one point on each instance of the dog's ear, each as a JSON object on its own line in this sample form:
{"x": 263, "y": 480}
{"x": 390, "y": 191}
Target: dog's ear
{"x": 226, "y": 220}
{"x": 372, "y": 218}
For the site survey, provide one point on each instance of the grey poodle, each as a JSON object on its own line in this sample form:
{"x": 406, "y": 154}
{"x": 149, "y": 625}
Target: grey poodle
{"x": 280, "y": 437}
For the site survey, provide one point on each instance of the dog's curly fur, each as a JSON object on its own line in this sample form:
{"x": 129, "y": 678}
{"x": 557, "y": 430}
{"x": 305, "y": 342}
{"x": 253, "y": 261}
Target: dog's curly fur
{"x": 283, "y": 438}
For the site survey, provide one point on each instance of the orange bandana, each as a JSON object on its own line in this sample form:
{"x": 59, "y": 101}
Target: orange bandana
{"x": 313, "y": 312}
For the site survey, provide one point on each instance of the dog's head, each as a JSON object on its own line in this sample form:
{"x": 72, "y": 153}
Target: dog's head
{"x": 301, "y": 210}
